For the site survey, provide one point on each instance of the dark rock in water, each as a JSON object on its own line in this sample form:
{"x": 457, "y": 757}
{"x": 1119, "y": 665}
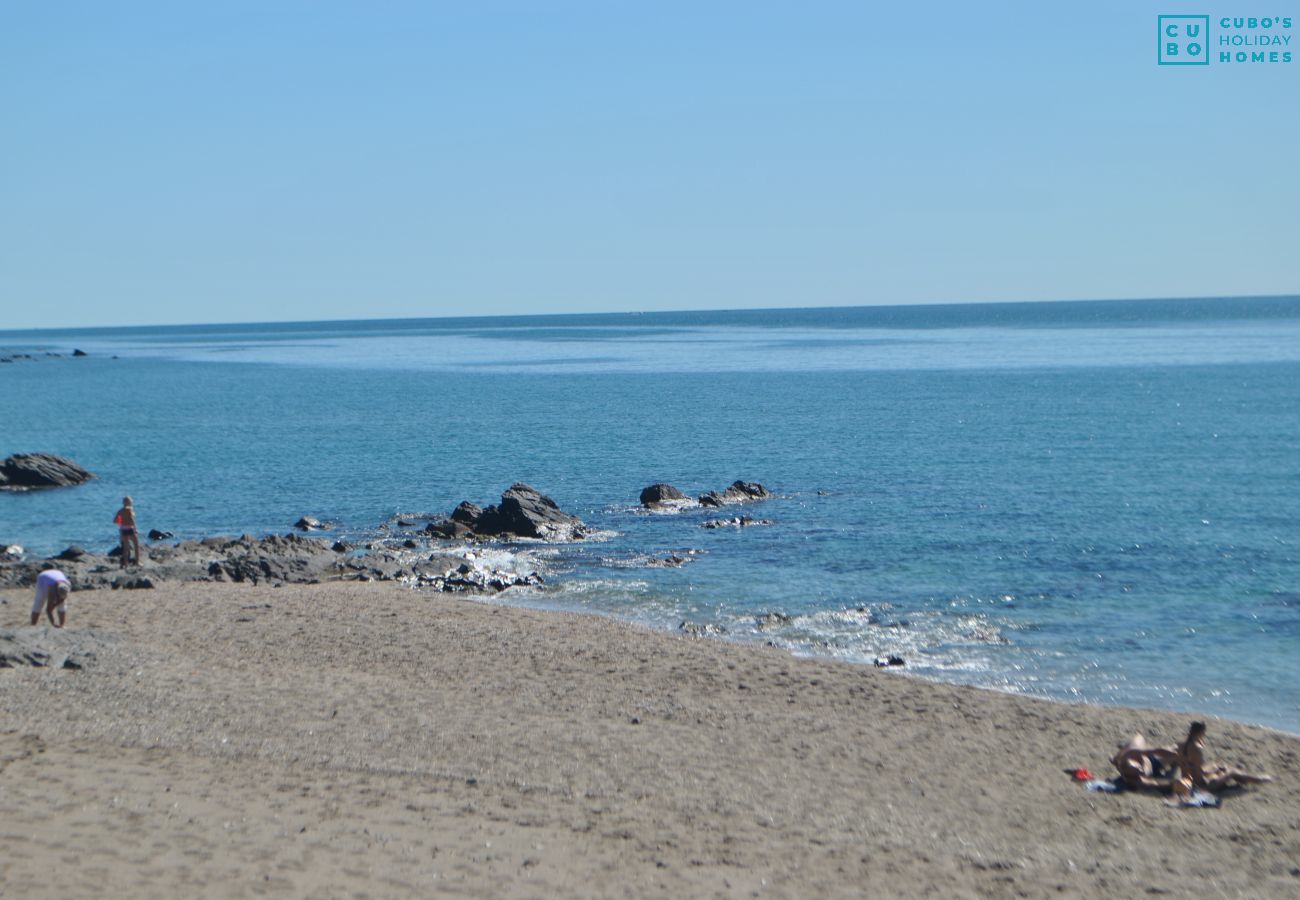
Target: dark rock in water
{"x": 735, "y": 522}
{"x": 156, "y": 535}
{"x": 449, "y": 530}
{"x": 402, "y": 523}
{"x": 889, "y": 661}
{"x": 409, "y": 544}
{"x": 80, "y": 353}
{"x": 308, "y": 523}
{"x": 701, "y": 629}
{"x": 523, "y": 512}
{"x": 773, "y": 620}
{"x": 32, "y": 471}
{"x": 466, "y": 513}
{"x": 72, "y": 553}
{"x": 341, "y": 547}
{"x": 738, "y": 492}
{"x": 659, "y": 494}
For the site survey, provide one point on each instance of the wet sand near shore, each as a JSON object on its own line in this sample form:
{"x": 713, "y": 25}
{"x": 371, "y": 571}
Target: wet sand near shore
{"x": 364, "y": 740}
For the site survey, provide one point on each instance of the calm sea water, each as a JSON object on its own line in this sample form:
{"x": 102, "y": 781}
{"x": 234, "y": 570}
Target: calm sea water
{"x": 1088, "y": 501}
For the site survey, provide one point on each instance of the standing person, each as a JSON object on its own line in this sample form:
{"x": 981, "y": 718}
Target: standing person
{"x": 52, "y": 588}
{"x": 127, "y": 531}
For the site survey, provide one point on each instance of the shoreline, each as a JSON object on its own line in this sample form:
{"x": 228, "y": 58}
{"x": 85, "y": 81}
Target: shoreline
{"x": 405, "y": 733}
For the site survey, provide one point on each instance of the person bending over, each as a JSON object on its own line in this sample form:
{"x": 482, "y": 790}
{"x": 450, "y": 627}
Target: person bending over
{"x": 1146, "y": 767}
{"x": 52, "y": 588}
{"x": 1197, "y": 773}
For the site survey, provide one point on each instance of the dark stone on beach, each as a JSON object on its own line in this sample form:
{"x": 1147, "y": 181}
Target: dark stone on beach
{"x": 701, "y": 629}
{"x": 34, "y": 471}
{"x": 738, "y": 492}
{"x": 409, "y": 544}
{"x": 142, "y": 583}
{"x": 71, "y": 554}
{"x": 523, "y": 512}
{"x": 773, "y": 620}
{"x": 341, "y": 547}
{"x": 735, "y": 522}
{"x": 658, "y": 494}
{"x": 308, "y": 523}
{"x": 80, "y": 353}
{"x": 889, "y": 661}
{"x": 156, "y": 535}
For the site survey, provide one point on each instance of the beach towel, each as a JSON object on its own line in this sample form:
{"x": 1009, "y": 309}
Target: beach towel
{"x": 1197, "y": 798}
{"x": 1106, "y": 787}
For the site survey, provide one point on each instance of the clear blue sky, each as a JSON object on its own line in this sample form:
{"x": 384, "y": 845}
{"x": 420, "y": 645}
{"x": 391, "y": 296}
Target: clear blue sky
{"x": 204, "y": 162}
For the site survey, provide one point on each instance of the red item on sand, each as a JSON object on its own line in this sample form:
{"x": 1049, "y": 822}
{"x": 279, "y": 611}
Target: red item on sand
{"x": 1082, "y": 775}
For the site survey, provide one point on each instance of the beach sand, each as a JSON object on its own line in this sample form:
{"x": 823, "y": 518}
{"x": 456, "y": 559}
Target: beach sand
{"x": 365, "y": 740}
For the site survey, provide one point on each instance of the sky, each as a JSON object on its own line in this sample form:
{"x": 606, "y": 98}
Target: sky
{"x": 261, "y": 161}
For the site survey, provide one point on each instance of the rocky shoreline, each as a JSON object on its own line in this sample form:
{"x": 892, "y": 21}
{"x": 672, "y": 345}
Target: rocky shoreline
{"x": 443, "y": 555}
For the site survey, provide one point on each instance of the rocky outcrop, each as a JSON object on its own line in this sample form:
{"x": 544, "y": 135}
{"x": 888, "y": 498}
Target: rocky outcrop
{"x": 35, "y": 471}
{"x": 738, "y": 492}
{"x": 274, "y": 559}
{"x": 156, "y": 535}
{"x": 523, "y": 512}
{"x": 660, "y": 494}
{"x": 309, "y": 523}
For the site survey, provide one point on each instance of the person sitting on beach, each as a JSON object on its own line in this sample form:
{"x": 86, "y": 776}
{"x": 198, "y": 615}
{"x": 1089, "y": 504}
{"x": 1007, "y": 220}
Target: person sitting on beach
{"x": 1196, "y": 773}
{"x": 130, "y": 537}
{"x": 52, "y": 588}
{"x": 1146, "y": 767}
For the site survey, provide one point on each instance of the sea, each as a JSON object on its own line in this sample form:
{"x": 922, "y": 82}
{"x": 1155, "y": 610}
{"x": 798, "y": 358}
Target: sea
{"x": 1088, "y": 501}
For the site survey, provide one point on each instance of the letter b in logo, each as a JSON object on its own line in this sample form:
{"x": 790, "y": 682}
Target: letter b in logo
{"x": 1182, "y": 40}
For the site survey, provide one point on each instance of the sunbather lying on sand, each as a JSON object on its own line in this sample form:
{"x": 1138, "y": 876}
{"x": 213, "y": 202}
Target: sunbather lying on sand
{"x": 1146, "y": 767}
{"x": 1196, "y": 773}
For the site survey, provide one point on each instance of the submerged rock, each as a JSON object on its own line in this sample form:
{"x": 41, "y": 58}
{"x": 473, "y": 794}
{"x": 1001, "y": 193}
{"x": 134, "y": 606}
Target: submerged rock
{"x": 156, "y": 535}
{"x": 701, "y": 629}
{"x": 735, "y": 522}
{"x": 773, "y": 620}
{"x": 34, "y": 471}
{"x": 309, "y": 523}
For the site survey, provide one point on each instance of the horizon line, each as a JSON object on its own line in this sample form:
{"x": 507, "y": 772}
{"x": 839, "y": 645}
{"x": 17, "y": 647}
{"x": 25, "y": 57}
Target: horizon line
{"x": 650, "y": 312}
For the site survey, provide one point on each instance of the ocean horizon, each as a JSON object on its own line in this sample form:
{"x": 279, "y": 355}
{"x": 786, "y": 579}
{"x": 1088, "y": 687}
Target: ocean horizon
{"x": 1092, "y": 501}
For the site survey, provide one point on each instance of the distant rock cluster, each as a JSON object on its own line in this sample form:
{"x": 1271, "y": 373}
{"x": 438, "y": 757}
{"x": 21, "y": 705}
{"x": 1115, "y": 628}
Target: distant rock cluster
{"x": 6, "y": 357}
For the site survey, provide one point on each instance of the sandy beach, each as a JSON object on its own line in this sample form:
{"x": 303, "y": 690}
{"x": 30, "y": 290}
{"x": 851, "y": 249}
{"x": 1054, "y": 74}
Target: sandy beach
{"x": 353, "y": 740}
